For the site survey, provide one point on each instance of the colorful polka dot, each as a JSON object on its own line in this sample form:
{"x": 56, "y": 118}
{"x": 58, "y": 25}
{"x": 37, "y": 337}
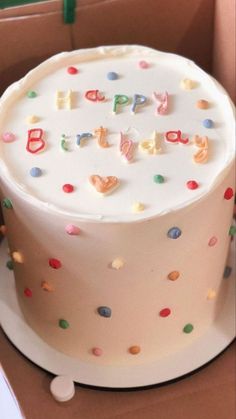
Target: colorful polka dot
{"x": 188, "y": 328}
{"x": 97, "y": 351}
{"x": 35, "y": 172}
{"x": 31, "y": 94}
{"x": 72, "y": 230}
{"x": 54, "y": 263}
{"x": 227, "y": 271}
{"x": 202, "y": 104}
{"x": 17, "y": 257}
{"x": 174, "y": 233}
{"x": 63, "y": 324}
{"x": 143, "y": 64}
{"x": 117, "y": 263}
{"x": 211, "y": 295}
{"x": 112, "y": 75}
{"x": 104, "y": 311}
{"x": 28, "y": 292}
{"x": 192, "y": 184}
{"x": 8, "y": 137}
{"x": 3, "y": 229}
{"x": 32, "y": 119}
{"x": 68, "y": 188}
{"x": 207, "y": 123}
{"x": 212, "y": 242}
{"x": 138, "y": 207}
{"x": 229, "y": 193}
{"x": 232, "y": 231}
{"x": 46, "y": 286}
{"x": 72, "y": 70}
{"x": 165, "y": 312}
{"x": 134, "y": 350}
{"x": 173, "y": 275}
{"x": 187, "y": 84}
{"x": 6, "y": 203}
{"x": 10, "y": 265}
{"x": 158, "y": 179}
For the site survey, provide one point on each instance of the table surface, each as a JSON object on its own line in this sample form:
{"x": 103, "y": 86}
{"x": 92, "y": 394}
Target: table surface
{"x": 209, "y": 393}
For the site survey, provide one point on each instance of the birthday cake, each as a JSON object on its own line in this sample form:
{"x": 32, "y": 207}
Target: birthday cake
{"x": 117, "y": 183}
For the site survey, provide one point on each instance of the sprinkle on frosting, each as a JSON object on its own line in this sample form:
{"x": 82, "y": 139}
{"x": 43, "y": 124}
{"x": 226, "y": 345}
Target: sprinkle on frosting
{"x": 127, "y": 147}
{"x": 134, "y": 350}
{"x": 211, "y": 295}
{"x": 158, "y": 179}
{"x": 31, "y": 94}
{"x": 151, "y": 146}
{"x": 54, "y": 263}
{"x": 8, "y": 137}
{"x": 68, "y": 188}
{"x": 97, "y": 351}
{"x": 17, "y": 257}
{"x": 227, "y": 271}
{"x": 28, "y": 292}
{"x": 72, "y": 230}
{"x": 202, "y": 104}
{"x": 187, "y": 84}
{"x": 10, "y": 264}
{"x": 212, "y": 242}
{"x": 174, "y": 233}
{"x": 32, "y": 119}
{"x": 232, "y": 230}
{"x": 117, "y": 263}
{"x": 173, "y": 275}
{"x": 138, "y": 207}
{"x": 120, "y": 100}
{"x": 35, "y": 142}
{"x": 229, "y": 193}
{"x": 101, "y": 134}
{"x": 104, "y": 311}
{"x": 165, "y": 312}
{"x": 6, "y": 203}
{"x": 112, "y": 75}
{"x": 35, "y": 172}
{"x": 63, "y": 324}
{"x": 207, "y": 123}
{"x": 188, "y": 328}
{"x": 162, "y": 99}
{"x": 192, "y": 184}
{"x": 72, "y": 70}
{"x": 3, "y": 229}
{"x": 104, "y": 185}
{"x": 46, "y": 286}
{"x": 143, "y": 64}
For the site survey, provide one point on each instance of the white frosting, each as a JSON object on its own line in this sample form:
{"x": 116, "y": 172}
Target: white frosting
{"x": 59, "y": 167}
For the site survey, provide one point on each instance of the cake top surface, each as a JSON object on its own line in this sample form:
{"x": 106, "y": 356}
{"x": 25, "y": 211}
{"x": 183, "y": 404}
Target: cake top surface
{"x": 119, "y": 133}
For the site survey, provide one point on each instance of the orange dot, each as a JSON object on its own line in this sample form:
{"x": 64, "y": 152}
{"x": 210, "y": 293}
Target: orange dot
{"x": 202, "y": 104}
{"x": 134, "y": 350}
{"x": 46, "y": 286}
{"x": 173, "y": 275}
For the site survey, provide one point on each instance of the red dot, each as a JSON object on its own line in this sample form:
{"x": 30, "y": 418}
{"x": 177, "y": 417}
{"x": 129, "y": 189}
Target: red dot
{"x": 192, "y": 184}
{"x": 212, "y": 242}
{"x": 229, "y": 193}
{"x": 54, "y": 263}
{"x": 165, "y": 312}
{"x": 68, "y": 188}
{"x": 28, "y": 292}
{"x": 72, "y": 70}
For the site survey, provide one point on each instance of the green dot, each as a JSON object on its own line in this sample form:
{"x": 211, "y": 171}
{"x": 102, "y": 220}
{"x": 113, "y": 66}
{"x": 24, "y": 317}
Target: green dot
{"x": 6, "y": 203}
{"x": 10, "y": 265}
{"x": 158, "y": 179}
{"x": 188, "y": 328}
{"x": 63, "y": 324}
{"x": 31, "y": 94}
{"x": 232, "y": 231}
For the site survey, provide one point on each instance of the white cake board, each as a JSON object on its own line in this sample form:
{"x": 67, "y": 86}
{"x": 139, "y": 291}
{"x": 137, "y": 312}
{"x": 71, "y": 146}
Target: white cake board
{"x": 201, "y": 351}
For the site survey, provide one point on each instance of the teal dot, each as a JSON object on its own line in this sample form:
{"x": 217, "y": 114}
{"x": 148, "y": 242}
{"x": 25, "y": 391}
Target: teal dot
{"x": 31, "y": 94}
{"x": 158, "y": 179}
{"x": 6, "y": 203}
{"x": 63, "y": 324}
{"x": 10, "y": 265}
{"x": 188, "y": 328}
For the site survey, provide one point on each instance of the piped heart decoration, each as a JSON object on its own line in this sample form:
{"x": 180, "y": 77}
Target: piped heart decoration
{"x": 105, "y": 184}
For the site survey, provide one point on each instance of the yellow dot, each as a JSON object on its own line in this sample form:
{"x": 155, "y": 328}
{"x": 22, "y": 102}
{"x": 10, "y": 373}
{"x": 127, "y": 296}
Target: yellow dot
{"x": 138, "y": 207}
{"x": 117, "y": 263}
{"x": 211, "y": 294}
{"x": 134, "y": 350}
{"x": 17, "y": 257}
{"x": 173, "y": 275}
{"x": 32, "y": 119}
{"x": 188, "y": 84}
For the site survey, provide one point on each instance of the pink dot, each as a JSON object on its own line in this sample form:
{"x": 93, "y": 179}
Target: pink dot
{"x": 229, "y": 193}
{"x": 97, "y": 351}
{"x": 68, "y": 188}
{"x": 192, "y": 184}
{"x": 212, "y": 242}
{"x": 143, "y": 64}
{"x": 72, "y": 70}
{"x": 8, "y": 137}
{"x": 28, "y": 292}
{"x": 54, "y": 263}
{"x": 165, "y": 312}
{"x": 72, "y": 230}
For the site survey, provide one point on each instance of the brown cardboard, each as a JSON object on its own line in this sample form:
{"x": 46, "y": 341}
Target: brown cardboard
{"x": 203, "y": 30}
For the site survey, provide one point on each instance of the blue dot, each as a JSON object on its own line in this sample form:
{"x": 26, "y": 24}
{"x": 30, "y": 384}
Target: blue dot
{"x": 174, "y": 233}
{"x": 112, "y": 75}
{"x": 35, "y": 171}
{"x": 207, "y": 123}
{"x": 104, "y": 311}
{"x": 227, "y": 271}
